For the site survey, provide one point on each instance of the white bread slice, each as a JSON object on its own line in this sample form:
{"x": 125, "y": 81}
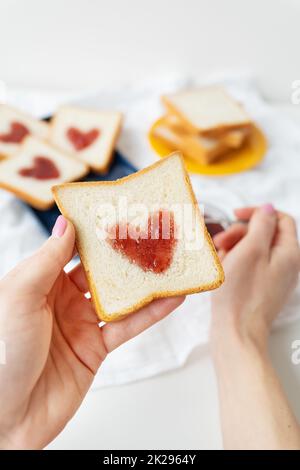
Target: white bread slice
{"x": 203, "y": 150}
{"x": 236, "y": 137}
{"x": 37, "y": 192}
{"x": 231, "y": 139}
{"x": 9, "y": 116}
{"x": 200, "y": 149}
{"x": 99, "y": 152}
{"x": 119, "y": 286}
{"x": 207, "y": 110}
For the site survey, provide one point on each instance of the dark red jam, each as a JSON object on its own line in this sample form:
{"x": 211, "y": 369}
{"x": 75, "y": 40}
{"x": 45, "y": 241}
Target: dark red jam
{"x": 212, "y": 225}
{"x": 81, "y": 140}
{"x": 42, "y": 169}
{"x": 16, "y": 133}
{"x": 151, "y": 249}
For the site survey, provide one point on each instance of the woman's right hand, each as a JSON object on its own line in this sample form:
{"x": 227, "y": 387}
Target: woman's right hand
{"x": 261, "y": 260}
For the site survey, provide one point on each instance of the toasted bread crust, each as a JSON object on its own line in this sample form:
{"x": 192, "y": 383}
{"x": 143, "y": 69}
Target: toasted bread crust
{"x": 32, "y": 201}
{"x": 25, "y": 115}
{"x": 156, "y": 295}
{"x": 104, "y": 167}
{"x": 25, "y": 197}
{"x": 110, "y": 153}
{"x": 218, "y": 132}
{"x": 39, "y": 204}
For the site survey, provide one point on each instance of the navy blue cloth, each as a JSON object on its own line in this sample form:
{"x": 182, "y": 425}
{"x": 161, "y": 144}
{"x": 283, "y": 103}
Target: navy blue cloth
{"x": 119, "y": 168}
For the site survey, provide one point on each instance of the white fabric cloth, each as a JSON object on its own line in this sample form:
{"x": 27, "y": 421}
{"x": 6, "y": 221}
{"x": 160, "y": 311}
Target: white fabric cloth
{"x": 168, "y": 344}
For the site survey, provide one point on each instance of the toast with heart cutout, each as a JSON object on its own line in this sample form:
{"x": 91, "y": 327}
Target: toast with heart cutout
{"x": 31, "y": 173}
{"x": 86, "y": 134}
{"x": 15, "y": 126}
{"x": 141, "y": 237}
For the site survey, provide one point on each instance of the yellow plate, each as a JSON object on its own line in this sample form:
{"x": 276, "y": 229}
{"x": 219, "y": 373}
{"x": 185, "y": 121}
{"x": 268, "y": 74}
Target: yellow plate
{"x": 244, "y": 158}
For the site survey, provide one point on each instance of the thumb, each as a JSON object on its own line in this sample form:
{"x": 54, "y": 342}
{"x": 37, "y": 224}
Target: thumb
{"x": 262, "y": 226}
{"x": 40, "y": 271}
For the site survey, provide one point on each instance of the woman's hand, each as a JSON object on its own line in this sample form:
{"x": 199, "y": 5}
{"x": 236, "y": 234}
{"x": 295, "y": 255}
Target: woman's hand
{"x": 261, "y": 263}
{"x": 54, "y": 345}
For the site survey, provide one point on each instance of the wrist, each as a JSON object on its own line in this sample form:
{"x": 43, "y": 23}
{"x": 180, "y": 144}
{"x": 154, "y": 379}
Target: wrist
{"x": 18, "y": 439}
{"x": 6, "y": 443}
{"x": 17, "y": 444}
{"x": 233, "y": 342}
{"x": 239, "y": 357}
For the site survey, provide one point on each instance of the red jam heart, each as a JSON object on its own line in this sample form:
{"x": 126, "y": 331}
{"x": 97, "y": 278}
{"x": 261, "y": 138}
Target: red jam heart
{"x": 81, "y": 140}
{"x": 43, "y": 169}
{"x": 151, "y": 249}
{"x": 16, "y": 133}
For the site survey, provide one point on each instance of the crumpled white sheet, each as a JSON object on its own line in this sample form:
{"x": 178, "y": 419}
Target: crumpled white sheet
{"x": 277, "y": 179}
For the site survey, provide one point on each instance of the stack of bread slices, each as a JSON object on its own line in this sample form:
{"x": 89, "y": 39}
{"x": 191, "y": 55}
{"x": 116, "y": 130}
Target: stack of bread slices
{"x": 205, "y": 124}
{"x": 36, "y": 155}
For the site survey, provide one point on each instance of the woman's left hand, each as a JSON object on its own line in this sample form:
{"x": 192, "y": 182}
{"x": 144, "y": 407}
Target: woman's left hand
{"x": 54, "y": 345}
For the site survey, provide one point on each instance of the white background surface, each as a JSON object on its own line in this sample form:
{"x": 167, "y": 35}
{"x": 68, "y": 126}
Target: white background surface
{"x": 178, "y": 410}
{"x": 88, "y": 43}
{"x": 83, "y": 45}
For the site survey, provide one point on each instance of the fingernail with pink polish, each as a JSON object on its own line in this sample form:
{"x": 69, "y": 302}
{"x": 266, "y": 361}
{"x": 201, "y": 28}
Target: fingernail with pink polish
{"x": 268, "y": 209}
{"x": 59, "y": 227}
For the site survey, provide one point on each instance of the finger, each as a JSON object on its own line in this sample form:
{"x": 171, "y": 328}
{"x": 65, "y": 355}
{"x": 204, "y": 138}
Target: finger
{"x": 262, "y": 227}
{"x": 78, "y": 277}
{"x": 115, "y": 334}
{"x": 244, "y": 213}
{"x": 38, "y": 273}
{"x": 226, "y": 240}
{"x": 286, "y": 224}
{"x": 286, "y": 230}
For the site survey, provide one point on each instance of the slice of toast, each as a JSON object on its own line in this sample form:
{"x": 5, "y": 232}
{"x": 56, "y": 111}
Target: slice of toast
{"x": 209, "y": 110}
{"x": 31, "y": 173}
{"x": 203, "y": 150}
{"x": 15, "y": 126}
{"x": 126, "y": 265}
{"x": 231, "y": 139}
{"x": 236, "y": 137}
{"x": 88, "y": 135}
